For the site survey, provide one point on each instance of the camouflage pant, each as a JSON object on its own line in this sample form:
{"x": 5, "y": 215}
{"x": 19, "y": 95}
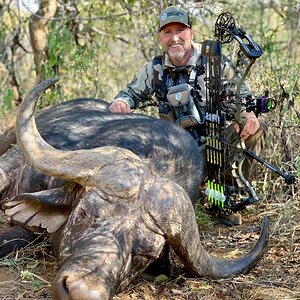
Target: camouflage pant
{"x": 254, "y": 143}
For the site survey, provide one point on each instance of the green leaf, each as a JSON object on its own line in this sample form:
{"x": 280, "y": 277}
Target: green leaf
{"x": 8, "y": 99}
{"x": 161, "y": 278}
{"x": 52, "y": 61}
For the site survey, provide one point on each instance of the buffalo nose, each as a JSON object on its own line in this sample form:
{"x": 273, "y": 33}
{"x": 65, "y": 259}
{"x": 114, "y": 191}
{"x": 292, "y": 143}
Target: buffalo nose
{"x": 77, "y": 289}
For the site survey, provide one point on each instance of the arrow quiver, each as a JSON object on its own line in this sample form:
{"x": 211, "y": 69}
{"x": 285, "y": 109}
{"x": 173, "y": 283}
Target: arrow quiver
{"x": 215, "y": 124}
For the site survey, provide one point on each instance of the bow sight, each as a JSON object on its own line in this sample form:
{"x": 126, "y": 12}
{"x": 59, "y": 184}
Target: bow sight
{"x": 258, "y": 105}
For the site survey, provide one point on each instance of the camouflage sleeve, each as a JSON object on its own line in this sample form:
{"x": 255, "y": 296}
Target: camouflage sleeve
{"x": 231, "y": 79}
{"x": 140, "y": 89}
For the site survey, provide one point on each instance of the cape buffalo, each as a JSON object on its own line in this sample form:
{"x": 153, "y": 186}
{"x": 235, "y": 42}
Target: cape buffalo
{"x": 116, "y": 190}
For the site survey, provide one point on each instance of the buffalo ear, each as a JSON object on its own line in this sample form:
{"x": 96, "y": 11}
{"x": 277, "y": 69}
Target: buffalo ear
{"x": 47, "y": 209}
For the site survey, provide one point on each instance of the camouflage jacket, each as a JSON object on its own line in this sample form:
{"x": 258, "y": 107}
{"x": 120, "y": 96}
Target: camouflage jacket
{"x": 144, "y": 85}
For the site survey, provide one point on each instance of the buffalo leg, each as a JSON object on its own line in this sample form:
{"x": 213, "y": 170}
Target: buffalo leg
{"x": 15, "y": 237}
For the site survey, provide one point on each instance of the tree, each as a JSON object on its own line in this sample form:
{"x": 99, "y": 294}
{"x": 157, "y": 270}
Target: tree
{"x": 38, "y": 34}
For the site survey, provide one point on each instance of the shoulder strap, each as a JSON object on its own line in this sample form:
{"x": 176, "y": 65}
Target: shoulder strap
{"x": 199, "y": 62}
{"x": 159, "y": 85}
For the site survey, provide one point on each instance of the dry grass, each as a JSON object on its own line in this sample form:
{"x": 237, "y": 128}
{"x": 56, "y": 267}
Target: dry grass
{"x": 28, "y": 273}
{"x": 7, "y": 121}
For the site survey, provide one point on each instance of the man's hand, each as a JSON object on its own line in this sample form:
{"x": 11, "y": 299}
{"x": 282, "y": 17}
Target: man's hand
{"x": 250, "y": 127}
{"x": 119, "y": 106}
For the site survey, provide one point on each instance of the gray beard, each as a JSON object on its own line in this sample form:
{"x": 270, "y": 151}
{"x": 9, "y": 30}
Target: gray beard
{"x": 180, "y": 56}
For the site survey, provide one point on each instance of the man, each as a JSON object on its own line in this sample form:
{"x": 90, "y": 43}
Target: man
{"x": 173, "y": 68}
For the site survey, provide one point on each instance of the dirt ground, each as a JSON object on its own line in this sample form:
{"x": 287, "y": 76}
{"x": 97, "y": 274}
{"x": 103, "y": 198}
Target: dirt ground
{"x": 28, "y": 273}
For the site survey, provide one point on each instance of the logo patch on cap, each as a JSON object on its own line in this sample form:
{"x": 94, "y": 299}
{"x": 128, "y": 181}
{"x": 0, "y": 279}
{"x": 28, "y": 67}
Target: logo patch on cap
{"x": 173, "y": 14}
{"x": 164, "y": 16}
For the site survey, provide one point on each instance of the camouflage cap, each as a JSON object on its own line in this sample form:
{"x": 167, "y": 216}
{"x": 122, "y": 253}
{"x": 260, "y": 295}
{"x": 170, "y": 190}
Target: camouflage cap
{"x": 174, "y": 14}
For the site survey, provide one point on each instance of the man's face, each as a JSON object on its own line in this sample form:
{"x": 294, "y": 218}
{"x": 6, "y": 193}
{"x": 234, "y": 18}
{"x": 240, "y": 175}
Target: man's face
{"x": 176, "y": 39}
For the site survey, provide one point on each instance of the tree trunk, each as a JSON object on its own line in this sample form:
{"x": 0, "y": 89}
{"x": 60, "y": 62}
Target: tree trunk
{"x": 38, "y": 34}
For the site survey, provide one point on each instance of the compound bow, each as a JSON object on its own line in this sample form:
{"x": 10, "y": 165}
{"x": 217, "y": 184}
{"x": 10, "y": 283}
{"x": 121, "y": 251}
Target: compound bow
{"x": 227, "y": 98}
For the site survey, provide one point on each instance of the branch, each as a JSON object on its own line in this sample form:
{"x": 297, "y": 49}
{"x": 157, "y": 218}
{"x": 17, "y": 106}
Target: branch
{"x": 38, "y": 34}
{"x": 102, "y": 33}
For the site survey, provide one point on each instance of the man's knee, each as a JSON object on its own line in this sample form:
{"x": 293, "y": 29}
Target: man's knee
{"x": 256, "y": 141}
